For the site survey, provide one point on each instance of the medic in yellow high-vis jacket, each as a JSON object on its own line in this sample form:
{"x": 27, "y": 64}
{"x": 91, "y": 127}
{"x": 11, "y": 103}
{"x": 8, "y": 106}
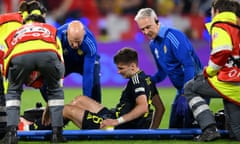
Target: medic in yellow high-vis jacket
{"x": 222, "y": 71}
{"x": 8, "y": 23}
{"x": 220, "y": 78}
{"x": 34, "y": 47}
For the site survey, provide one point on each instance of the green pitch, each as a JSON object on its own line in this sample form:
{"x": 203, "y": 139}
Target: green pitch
{"x": 110, "y": 97}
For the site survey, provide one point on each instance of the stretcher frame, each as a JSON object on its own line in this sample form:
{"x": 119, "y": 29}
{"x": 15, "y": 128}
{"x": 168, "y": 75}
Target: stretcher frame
{"x": 117, "y": 134}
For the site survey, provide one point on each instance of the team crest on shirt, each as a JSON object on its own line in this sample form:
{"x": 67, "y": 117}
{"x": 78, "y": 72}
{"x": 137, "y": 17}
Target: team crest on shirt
{"x": 80, "y": 52}
{"x": 165, "y": 49}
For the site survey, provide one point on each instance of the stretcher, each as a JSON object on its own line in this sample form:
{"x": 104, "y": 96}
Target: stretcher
{"x": 117, "y": 134}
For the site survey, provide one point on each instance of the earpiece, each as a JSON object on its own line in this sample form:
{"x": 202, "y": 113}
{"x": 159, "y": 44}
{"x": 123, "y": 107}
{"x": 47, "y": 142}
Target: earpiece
{"x": 156, "y": 21}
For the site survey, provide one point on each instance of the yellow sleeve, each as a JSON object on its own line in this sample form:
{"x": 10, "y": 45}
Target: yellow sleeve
{"x": 221, "y": 40}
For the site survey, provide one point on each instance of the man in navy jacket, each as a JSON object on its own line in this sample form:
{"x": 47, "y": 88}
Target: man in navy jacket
{"x": 175, "y": 57}
{"x": 81, "y": 56}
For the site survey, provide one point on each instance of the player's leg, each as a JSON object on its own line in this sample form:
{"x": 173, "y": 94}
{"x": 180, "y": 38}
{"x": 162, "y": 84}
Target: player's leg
{"x": 73, "y": 113}
{"x": 87, "y": 103}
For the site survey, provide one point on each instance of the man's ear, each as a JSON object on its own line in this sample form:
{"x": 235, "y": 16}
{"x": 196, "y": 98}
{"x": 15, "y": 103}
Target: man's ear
{"x": 133, "y": 65}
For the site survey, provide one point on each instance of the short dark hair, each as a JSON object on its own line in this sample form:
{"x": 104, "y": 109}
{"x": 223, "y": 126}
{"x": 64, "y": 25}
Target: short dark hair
{"x": 34, "y": 5}
{"x": 227, "y": 5}
{"x": 42, "y": 7}
{"x": 126, "y": 55}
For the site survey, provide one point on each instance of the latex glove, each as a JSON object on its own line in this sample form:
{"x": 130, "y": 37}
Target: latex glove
{"x": 181, "y": 105}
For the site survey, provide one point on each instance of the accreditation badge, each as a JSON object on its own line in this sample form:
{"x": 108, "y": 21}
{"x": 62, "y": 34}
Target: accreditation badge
{"x": 79, "y": 52}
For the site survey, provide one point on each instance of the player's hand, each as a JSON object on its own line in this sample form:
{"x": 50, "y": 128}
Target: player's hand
{"x": 46, "y": 120}
{"x": 108, "y": 122}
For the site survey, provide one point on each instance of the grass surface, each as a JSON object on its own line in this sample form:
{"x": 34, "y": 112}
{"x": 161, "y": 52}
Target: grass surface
{"x": 110, "y": 97}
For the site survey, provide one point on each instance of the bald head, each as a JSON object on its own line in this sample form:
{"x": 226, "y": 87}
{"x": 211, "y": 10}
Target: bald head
{"x": 75, "y": 34}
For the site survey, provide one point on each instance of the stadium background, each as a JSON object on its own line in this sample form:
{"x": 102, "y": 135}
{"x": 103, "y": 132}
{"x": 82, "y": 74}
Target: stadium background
{"x": 112, "y": 23}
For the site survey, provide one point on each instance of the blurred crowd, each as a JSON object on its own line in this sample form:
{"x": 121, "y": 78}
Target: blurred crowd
{"x": 112, "y": 20}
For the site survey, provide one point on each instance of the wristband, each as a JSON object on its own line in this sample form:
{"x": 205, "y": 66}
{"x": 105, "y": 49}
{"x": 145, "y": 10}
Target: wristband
{"x": 120, "y": 120}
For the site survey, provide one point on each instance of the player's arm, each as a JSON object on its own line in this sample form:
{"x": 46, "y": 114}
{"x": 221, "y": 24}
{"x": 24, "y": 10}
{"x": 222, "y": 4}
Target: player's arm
{"x": 140, "y": 109}
{"x": 158, "y": 112}
{"x": 221, "y": 50}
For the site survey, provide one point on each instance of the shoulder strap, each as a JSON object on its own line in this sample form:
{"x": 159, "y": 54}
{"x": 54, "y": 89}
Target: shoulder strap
{"x": 10, "y": 17}
{"x": 236, "y": 62}
{"x": 228, "y": 23}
